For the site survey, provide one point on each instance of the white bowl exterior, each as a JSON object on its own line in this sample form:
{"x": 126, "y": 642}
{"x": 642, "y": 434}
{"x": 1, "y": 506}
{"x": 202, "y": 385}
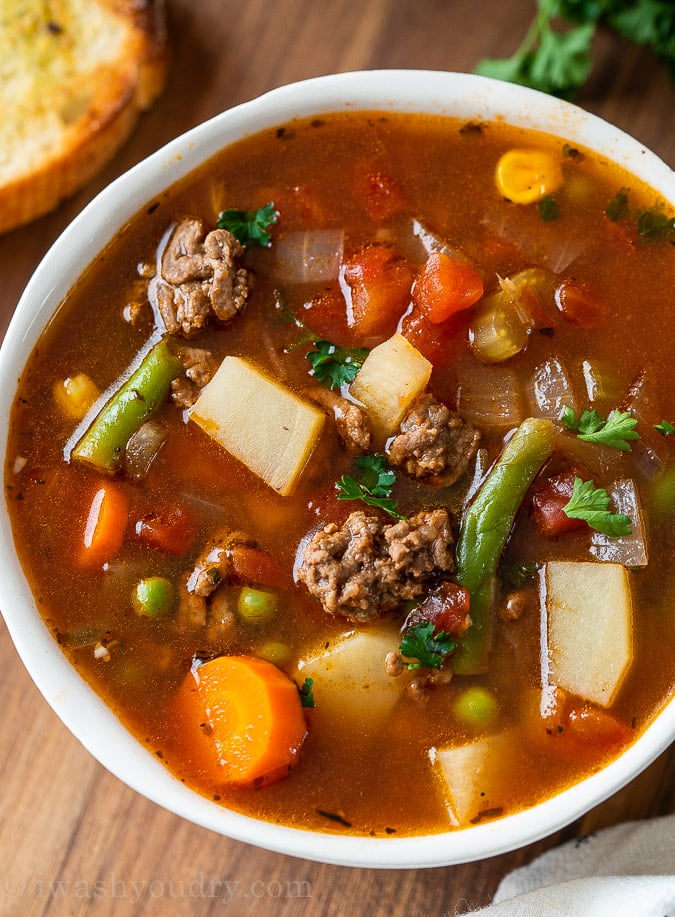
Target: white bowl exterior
{"x": 83, "y": 712}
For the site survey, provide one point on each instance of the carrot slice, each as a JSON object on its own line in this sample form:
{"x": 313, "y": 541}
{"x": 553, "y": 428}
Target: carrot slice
{"x": 445, "y": 286}
{"x": 106, "y": 525}
{"x": 240, "y": 721}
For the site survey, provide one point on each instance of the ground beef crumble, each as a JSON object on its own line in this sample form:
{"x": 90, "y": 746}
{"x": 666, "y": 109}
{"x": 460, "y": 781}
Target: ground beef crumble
{"x": 434, "y": 443}
{"x": 365, "y": 567}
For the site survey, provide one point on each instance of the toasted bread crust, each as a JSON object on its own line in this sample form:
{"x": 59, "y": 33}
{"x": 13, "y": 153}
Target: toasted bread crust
{"x": 62, "y": 125}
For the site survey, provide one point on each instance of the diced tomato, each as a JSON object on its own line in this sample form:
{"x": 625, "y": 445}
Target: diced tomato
{"x": 326, "y": 315}
{"x": 255, "y": 566}
{"x": 438, "y": 343}
{"x": 170, "y": 529}
{"x": 578, "y": 304}
{"x": 380, "y": 195}
{"x": 378, "y": 279}
{"x": 578, "y": 728}
{"x": 445, "y": 286}
{"x": 446, "y": 606}
{"x": 548, "y": 502}
{"x": 595, "y": 727}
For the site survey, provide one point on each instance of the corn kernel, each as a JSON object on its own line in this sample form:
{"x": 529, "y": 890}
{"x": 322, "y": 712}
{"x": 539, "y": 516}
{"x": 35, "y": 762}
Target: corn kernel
{"x": 76, "y": 394}
{"x": 525, "y": 176}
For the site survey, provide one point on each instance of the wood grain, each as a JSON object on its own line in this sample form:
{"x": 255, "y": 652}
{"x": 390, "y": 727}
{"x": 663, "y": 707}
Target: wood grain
{"x": 73, "y": 839}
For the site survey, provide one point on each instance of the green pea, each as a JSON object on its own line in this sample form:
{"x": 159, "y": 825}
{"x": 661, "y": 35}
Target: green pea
{"x": 153, "y": 597}
{"x": 255, "y": 606}
{"x": 476, "y": 707}
{"x": 275, "y": 651}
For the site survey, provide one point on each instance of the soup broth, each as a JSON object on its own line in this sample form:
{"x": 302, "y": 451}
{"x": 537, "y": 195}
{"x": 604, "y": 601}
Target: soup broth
{"x": 466, "y": 630}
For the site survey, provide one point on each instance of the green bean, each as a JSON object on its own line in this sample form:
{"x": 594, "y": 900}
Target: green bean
{"x": 153, "y": 597}
{"x": 255, "y": 606}
{"x": 135, "y": 400}
{"x": 485, "y": 528}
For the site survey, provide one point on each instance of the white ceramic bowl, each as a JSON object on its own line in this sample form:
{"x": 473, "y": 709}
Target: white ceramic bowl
{"x": 470, "y": 97}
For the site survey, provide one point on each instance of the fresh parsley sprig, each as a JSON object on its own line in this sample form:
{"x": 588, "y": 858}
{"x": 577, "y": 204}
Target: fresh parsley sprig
{"x": 336, "y": 366}
{"x": 616, "y": 432}
{"x": 422, "y": 648}
{"x": 556, "y": 54}
{"x": 665, "y": 428}
{"x": 592, "y": 505}
{"x": 375, "y": 484}
{"x": 250, "y": 226}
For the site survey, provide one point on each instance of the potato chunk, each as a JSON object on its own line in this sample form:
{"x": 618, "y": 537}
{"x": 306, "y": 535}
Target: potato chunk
{"x": 588, "y": 612}
{"x": 392, "y": 376}
{"x": 474, "y": 776}
{"x": 349, "y": 675}
{"x": 263, "y": 424}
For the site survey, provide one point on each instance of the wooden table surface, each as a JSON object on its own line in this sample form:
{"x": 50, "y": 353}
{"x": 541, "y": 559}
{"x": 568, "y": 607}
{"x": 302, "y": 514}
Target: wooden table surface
{"x": 73, "y": 839}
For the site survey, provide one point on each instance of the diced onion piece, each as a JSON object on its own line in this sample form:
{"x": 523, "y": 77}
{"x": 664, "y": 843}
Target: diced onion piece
{"x": 76, "y": 394}
{"x": 525, "y": 176}
{"x": 489, "y": 396}
{"x": 551, "y": 390}
{"x": 602, "y": 384}
{"x": 651, "y": 451}
{"x": 431, "y": 241}
{"x": 629, "y": 550}
{"x": 142, "y": 448}
{"x": 312, "y": 256}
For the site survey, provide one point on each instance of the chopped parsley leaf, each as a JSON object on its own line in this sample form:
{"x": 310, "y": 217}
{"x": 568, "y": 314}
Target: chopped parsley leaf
{"x": 336, "y": 366}
{"x": 250, "y": 226}
{"x": 422, "y": 648}
{"x": 518, "y": 575}
{"x": 307, "y": 693}
{"x": 618, "y": 207}
{"x": 548, "y": 209}
{"x": 592, "y": 505}
{"x": 615, "y": 432}
{"x": 665, "y": 428}
{"x": 374, "y": 486}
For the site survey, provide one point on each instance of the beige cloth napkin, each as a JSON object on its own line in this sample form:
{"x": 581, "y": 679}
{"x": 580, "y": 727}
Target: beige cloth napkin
{"x": 624, "y": 871}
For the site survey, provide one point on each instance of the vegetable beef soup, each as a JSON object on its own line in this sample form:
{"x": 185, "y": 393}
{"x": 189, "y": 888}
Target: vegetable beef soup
{"x": 346, "y": 473}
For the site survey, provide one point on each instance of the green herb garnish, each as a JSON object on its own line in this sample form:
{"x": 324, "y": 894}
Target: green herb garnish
{"x": 556, "y": 53}
{"x": 618, "y": 207}
{"x": 616, "y": 431}
{"x": 518, "y": 575}
{"x": 307, "y": 693}
{"x": 591, "y": 504}
{"x": 374, "y": 486}
{"x": 424, "y": 649}
{"x": 653, "y": 224}
{"x": 250, "y": 226}
{"x": 336, "y": 366}
{"x": 665, "y": 428}
{"x": 548, "y": 209}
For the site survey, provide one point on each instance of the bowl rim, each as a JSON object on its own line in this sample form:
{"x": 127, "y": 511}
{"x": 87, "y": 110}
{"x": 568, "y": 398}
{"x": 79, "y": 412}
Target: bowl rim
{"x": 83, "y": 711}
